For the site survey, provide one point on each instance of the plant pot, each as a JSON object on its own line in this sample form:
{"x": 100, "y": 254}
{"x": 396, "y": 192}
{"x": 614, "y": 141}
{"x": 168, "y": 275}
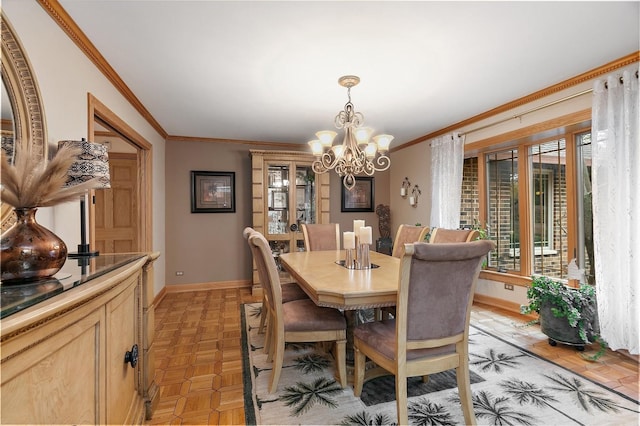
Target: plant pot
{"x": 30, "y": 251}
{"x": 559, "y": 329}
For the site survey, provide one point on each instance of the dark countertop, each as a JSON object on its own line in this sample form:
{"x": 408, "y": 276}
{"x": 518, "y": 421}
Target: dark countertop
{"x": 75, "y": 272}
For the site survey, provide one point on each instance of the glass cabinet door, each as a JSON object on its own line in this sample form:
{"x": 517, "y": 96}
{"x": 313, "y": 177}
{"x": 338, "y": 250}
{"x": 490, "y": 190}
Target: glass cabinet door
{"x": 278, "y": 184}
{"x": 291, "y": 201}
{"x": 305, "y": 196}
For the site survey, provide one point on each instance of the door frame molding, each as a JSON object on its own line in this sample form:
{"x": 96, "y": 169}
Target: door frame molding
{"x": 99, "y": 111}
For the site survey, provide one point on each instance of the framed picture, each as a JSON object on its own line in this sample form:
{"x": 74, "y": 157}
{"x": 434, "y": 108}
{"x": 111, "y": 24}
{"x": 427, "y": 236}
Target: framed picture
{"x": 279, "y": 200}
{"x": 360, "y": 198}
{"x": 213, "y": 192}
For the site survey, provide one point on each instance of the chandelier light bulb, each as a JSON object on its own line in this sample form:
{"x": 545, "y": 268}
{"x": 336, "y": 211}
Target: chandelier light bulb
{"x": 316, "y": 147}
{"x": 383, "y": 142}
{"x": 338, "y": 150}
{"x": 356, "y": 155}
{"x": 370, "y": 150}
{"x": 363, "y": 134}
{"x": 326, "y": 137}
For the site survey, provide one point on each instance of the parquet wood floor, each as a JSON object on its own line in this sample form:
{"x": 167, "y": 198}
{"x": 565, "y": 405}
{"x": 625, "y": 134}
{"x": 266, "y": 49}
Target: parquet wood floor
{"x": 199, "y": 358}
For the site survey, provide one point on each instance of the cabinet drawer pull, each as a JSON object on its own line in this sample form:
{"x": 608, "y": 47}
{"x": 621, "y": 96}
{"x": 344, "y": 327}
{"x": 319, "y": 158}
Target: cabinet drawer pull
{"x": 132, "y": 356}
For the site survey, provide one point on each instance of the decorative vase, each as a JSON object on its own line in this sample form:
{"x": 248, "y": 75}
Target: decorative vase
{"x": 30, "y": 251}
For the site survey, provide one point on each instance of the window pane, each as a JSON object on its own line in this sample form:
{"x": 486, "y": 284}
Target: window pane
{"x": 503, "y": 218}
{"x": 469, "y": 207}
{"x": 585, "y": 210}
{"x": 549, "y": 208}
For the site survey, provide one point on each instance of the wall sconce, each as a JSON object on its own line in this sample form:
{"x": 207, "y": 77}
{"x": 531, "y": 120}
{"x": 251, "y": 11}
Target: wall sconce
{"x": 405, "y": 187}
{"x": 415, "y": 193}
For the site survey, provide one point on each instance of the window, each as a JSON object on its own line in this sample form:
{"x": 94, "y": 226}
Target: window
{"x": 503, "y": 217}
{"x": 548, "y": 194}
{"x": 534, "y": 198}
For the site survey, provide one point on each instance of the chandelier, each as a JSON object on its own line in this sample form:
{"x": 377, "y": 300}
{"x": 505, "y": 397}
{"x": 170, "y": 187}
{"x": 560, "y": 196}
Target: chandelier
{"x": 357, "y": 154}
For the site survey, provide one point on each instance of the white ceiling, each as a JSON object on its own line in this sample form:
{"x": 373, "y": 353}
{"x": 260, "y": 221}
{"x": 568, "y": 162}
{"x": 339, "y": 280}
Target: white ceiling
{"x": 268, "y": 71}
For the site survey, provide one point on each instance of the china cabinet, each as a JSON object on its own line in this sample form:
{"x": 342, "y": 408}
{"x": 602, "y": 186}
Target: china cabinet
{"x": 286, "y": 193}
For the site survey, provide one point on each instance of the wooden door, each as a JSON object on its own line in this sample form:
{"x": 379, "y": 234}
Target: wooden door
{"x": 117, "y": 209}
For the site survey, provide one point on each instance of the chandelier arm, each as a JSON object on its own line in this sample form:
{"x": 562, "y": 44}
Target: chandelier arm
{"x": 357, "y": 119}
{"x": 382, "y": 163}
{"x": 324, "y": 163}
{"x": 349, "y": 181}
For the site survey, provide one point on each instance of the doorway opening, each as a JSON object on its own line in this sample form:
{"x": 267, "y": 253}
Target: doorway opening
{"x": 120, "y": 217}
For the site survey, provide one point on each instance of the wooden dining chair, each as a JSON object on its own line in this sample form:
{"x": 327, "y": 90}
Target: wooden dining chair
{"x": 408, "y": 234}
{"x": 321, "y": 236}
{"x": 443, "y": 235}
{"x": 296, "y": 321}
{"x": 290, "y": 290}
{"x": 430, "y": 332}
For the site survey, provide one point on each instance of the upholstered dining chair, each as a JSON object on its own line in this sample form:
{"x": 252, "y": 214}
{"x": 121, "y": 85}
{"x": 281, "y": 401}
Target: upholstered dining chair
{"x": 405, "y": 234}
{"x": 296, "y": 321}
{"x": 321, "y": 236}
{"x": 290, "y": 291}
{"x": 430, "y": 332}
{"x": 408, "y": 234}
{"x": 443, "y": 235}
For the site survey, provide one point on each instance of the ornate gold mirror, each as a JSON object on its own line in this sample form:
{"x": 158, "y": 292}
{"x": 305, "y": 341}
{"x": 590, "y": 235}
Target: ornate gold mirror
{"x": 23, "y": 123}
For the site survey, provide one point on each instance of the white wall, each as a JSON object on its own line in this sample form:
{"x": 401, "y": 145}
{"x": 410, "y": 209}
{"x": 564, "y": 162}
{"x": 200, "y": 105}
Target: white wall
{"x": 64, "y": 76}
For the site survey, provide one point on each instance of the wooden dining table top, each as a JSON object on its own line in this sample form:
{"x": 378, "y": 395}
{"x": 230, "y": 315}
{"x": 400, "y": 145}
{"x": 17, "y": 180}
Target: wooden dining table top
{"x": 330, "y": 284}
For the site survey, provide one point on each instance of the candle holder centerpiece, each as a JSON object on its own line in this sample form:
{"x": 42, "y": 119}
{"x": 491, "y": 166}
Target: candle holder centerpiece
{"x": 356, "y": 244}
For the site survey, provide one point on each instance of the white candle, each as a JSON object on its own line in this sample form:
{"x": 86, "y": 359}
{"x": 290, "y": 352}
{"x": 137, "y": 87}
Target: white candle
{"x": 365, "y": 235}
{"x": 349, "y": 240}
{"x": 412, "y": 200}
{"x": 403, "y": 192}
{"x": 357, "y": 224}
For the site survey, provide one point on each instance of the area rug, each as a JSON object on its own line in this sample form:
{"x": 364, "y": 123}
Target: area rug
{"x": 510, "y": 386}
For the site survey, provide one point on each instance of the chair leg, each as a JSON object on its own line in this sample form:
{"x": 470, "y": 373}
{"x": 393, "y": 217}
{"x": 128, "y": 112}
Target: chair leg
{"x": 270, "y": 352}
{"x": 464, "y": 389}
{"x": 277, "y": 366}
{"x": 341, "y": 361}
{"x": 358, "y": 371}
{"x": 378, "y": 314}
{"x": 268, "y": 336}
{"x": 401, "y": 399}
{"x": 263, "y": 316}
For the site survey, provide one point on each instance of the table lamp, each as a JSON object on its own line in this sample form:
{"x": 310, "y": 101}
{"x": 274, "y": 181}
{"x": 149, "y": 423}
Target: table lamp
{"x": 92, "y": 163}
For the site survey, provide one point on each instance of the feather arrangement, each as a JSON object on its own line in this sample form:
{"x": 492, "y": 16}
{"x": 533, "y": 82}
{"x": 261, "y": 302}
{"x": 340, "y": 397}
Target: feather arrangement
{"x": 32, "y": 182}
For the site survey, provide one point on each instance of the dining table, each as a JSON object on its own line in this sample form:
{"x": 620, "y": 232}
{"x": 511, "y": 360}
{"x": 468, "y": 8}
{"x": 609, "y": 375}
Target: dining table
{"x": 323, "y": 276}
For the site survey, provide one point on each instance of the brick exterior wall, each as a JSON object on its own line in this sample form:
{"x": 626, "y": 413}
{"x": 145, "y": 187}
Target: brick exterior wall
{"x": 500, "y": 228}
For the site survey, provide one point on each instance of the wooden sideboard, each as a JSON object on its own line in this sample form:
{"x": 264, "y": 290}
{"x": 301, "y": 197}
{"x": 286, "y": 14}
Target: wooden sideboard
{"x": 64, "y": 358}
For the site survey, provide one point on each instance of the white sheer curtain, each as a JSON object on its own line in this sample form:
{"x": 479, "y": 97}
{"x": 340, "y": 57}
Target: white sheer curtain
{"x": 447, "y": 156}
{"x": 616, "y": 207}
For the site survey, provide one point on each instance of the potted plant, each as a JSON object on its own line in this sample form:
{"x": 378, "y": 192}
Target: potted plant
{"x": 567, "y": 315}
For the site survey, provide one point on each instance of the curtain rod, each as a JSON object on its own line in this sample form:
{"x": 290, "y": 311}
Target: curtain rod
{"x": 575, "y": 95}
{"x": 538, "y": 108}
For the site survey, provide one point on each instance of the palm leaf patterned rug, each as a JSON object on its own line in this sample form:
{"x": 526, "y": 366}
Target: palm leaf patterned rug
{"x": 510, "y": 386}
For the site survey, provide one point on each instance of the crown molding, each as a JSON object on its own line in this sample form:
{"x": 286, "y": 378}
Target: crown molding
{"x": 574, "y": 81}
{"x": 285, "y": 145}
